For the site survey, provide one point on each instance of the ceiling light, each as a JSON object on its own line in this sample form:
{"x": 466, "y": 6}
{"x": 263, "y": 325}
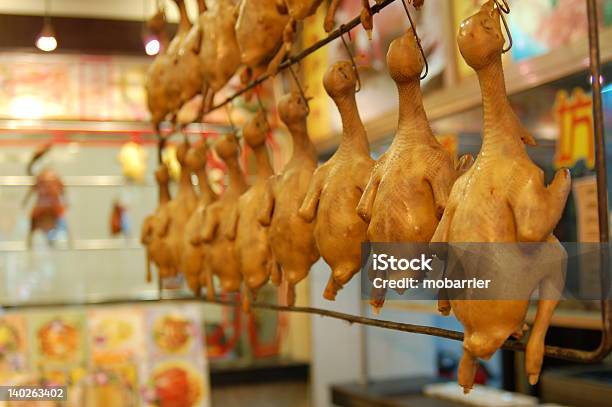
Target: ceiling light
{"x": 152, "y": 45}
{"x": 46, "y": 39}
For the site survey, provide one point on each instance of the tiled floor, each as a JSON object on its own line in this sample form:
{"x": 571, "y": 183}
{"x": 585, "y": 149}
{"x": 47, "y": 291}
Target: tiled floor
{"x": 262, "y": 395}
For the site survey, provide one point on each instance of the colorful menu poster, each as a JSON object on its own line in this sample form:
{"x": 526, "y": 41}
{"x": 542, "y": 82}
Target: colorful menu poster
{"x": 177, "y": 366}
{"x": 13, "y": 346}
{"x": 117, "y": 354}
{"x": 58, "y": 345}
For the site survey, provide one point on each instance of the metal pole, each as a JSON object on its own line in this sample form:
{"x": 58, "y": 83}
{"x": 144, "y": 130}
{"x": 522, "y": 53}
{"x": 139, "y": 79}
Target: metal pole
{"x": 598, "y": 120}
{"x": 602, "y": 184}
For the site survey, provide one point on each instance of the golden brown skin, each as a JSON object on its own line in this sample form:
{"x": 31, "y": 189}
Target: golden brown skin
{"x": 188, "y": 64}
{"x": 259, "y": 31}
{"x": 222, "y": 259}
{"x": 338, "y": 184}
{"x": 193, "y": 251}
{"x": 157, "y": 74}
{"x": 175, "y": 78}
{"x": 252, "y": 246}
{"x": 219, "y": 53}
{"x": 501, "y": 198}
{"x": 297, "y": 10}
{"x": 409, "y": 186}
{"x": 155, "y": 247}
{"x": 178, "y": 212}
{"x": 291, "y": 238}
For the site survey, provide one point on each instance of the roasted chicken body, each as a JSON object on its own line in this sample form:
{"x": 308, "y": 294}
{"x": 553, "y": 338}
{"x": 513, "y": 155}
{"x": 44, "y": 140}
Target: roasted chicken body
{"x": 158, "y": 73}
{"x": 188, "y": 64}
{"x": 177, "y": 213}
{"x": 157, "y": 251}
{"x": 410, "y": 183}
{"x": 193, "y": 252}
{"x": 291, "y": 238}
{"x": 252, "y": 246}
{"x": 337, "y": 185}
{"x": 178, "y": 78}
{"x": 259, "y": 31}
{"x": 221, "y": 257}
{"x": 219, "y": 53}
{"x": 501, "y": 198}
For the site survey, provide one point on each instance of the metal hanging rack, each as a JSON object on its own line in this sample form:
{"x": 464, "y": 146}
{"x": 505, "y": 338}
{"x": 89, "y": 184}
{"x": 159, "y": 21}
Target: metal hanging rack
{"x": 577, "y": 355}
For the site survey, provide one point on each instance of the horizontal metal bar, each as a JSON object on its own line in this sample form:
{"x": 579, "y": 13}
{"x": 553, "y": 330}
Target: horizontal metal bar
{"x": 79, "y": 245}
{"x": 75, "y": 181}
{"x": 550, "y": 351}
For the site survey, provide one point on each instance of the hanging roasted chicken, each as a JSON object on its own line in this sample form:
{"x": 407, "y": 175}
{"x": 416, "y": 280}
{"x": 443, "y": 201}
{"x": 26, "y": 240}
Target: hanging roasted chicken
{"x": 410, "y": 183}
{"x": 252, "y": 246}
{"x": 221, "y": 256}
{"x": 291, "y": 238}
{"x": 167, "y": 245}
{"x": 502, "y": 198}
{"x": 219, "y": 52}
{"x": 178, "y": 78}
{"x": 158, "y": 73}
{"x": 148, "y": 236}
{"x": 48, "y": 188}
{"x": 187, "y": 66}
{"x": 337, "y": 185}
{"x": 193, "y": 251}
{"x": 259, "y": 32}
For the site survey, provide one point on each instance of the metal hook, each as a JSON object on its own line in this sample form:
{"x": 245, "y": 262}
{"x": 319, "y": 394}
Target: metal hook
{"x": 504, "y": 8}
{"x": 262, "y": 108}
{"x": 350, "y": 54}
{"x": 301, "y": 90}
{"x": 413, "y": 27}
{"x": 259, "y": 102}
{"x": 228, "y": 111}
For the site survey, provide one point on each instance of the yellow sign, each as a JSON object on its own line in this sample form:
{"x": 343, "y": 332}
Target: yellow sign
{"x": 574, "y": 115}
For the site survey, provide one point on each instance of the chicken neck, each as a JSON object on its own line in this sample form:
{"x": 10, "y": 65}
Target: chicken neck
{"x": 502, "y": 129}
{"x": 164, "y": 193}
{"x": 184, "y": 23}
{"x": 264, "y": 168}
{"x": 302, "y": 145}
{"x": 354, "y": 137}
{"x": 206, "y": 192}
{"x": 185, "y": 185}
{"x": 413, "y": 125}
{"x": 236, "y": 178}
